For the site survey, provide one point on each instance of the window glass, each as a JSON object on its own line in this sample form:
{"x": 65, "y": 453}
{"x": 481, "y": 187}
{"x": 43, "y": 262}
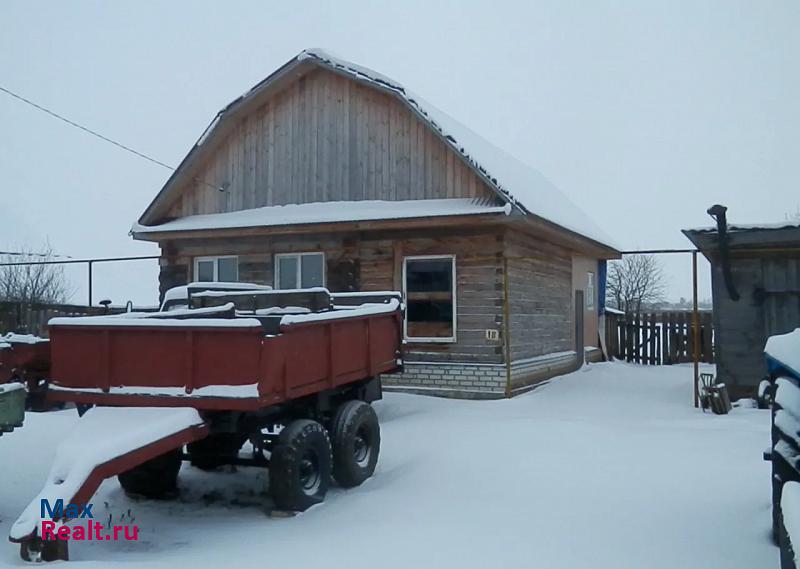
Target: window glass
{"x": 312, "y": 270}
{"x": 205, "y": 270}
{"x": 589, "y": 290}
{"x": 228, "y": 269}
{"x": 429, "y": 298}
{"x": 287, "y": 272}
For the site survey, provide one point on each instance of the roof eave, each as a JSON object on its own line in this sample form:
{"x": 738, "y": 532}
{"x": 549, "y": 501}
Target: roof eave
{"x": 470, "y": 219}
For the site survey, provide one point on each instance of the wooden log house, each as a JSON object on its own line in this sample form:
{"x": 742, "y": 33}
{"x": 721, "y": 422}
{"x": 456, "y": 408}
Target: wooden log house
{"x": 330, "y": 174}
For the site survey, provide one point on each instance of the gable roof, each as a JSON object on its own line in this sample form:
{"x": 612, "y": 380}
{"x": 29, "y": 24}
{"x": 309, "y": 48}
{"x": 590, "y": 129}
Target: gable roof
{"x": 515, "y": 182}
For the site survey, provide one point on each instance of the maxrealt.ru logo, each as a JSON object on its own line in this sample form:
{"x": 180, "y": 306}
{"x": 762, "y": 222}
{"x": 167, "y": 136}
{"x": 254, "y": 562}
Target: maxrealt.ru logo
{"x": 52, "y": 516}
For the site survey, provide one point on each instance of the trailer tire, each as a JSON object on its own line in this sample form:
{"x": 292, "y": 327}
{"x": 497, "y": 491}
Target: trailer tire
{"x": 157, "y": 478}
{"x": 356, "y": 441}
{"x": 300, "y": 466}
{"x": 215, "y": 450}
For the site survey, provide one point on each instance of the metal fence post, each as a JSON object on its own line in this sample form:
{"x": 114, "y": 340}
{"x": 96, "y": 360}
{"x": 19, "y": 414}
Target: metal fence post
{"x": 90, "y": 283}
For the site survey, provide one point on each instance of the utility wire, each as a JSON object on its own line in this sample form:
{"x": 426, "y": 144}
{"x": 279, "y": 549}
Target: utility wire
{"x": 19, "y": 254}
{"x": 83, "y": 128}
{"x": 100, "y": 136}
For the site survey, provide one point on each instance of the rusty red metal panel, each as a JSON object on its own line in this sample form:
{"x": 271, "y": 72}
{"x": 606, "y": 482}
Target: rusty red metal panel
{"x": 154, "y": 357}
{"x": 141, "y": 400}
{"x": 305, "y": 358}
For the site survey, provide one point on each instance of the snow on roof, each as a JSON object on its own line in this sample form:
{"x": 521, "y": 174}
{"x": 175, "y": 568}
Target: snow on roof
{"x": 732, "y": 227}
{"x": 610, "y": 310}
{"x": 520, "y": 184}
{"x": 325, "y": 212}
{"x": 523, "y": 185}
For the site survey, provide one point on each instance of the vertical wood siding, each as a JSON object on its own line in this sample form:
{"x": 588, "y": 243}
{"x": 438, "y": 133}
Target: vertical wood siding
{"x": 540, "y": 296}
{"x": 327, "y": 138}
{"x": 769, "y": 285}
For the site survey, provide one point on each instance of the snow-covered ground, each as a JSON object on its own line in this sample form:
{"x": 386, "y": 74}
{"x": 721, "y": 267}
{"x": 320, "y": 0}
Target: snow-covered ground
{"x": 609, "y": 467}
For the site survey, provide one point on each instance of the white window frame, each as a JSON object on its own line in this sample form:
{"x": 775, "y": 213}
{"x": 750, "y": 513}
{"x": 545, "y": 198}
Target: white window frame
{"x": 216, "y": 259}
{"x": 277, "y": 266}
{"x": 591, "y": 287}
{"x": 452, "y": 339}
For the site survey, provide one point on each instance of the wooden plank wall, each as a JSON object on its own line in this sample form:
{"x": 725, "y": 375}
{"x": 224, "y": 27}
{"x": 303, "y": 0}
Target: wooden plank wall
{"x": 780, "y": 294}
{"x": 327, "y": 138}
{"x": 540, "y": 296}
{"x": 373, "y": 261}
{"x": 769, "y": 286}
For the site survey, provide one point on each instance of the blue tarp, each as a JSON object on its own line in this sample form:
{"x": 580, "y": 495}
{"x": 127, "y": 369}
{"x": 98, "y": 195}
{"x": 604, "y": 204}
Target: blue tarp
{"x": 602, "y": 269}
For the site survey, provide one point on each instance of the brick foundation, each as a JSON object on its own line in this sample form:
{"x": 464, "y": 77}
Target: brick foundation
{"x": 481, "y": 381}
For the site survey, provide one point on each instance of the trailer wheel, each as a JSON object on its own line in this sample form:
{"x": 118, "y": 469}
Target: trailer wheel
{"x": 157, "y": 478}
{"x": 300, "y": 466}
{"x": 356, "y": 443}
{"x": 215, "y": 450}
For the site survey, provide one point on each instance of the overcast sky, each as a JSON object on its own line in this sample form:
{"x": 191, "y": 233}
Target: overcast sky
{"x": 645, "y": 113}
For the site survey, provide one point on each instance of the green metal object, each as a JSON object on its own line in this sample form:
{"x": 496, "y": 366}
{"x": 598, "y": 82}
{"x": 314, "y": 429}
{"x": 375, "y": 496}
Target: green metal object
{"x": 12, "y": 406}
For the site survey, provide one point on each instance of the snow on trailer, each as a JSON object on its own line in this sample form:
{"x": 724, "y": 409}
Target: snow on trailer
{"x": 121, "y": 438}
{"x": 291, "y": 371}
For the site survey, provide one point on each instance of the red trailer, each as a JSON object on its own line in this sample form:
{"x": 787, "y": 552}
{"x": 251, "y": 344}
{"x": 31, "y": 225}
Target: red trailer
{"x": 23, "y": 357}
{"x": 293, "y": 372}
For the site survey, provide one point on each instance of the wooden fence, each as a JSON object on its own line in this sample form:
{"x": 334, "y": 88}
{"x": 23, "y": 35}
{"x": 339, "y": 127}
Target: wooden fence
{"x": 658, "y": 338}
{"x": 26, "y": 318}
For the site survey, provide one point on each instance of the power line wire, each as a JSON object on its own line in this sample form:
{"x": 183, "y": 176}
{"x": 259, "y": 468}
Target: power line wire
{"x": 85, "y": 129}
{"x": 100, "y": 136}
{"x": 22, "y": 254}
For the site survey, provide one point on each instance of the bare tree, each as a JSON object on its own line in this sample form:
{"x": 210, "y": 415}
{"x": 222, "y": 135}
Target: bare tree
{"x": 635, "y": 282}
{"x": 33, "y": 284}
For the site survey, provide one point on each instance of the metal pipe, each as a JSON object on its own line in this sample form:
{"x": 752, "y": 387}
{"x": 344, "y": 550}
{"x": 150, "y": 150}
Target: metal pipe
{"x": 717, "y": 212}
{"x": 657, "y": 251}
{"x": 696, "y": 331}
{"x": 73, "y": 261}
{"x": 90, "y": 283}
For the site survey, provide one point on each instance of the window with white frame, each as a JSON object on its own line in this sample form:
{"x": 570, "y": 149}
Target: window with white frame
{"x": 216, "y": 269}
{"x": 589, "y": 291}
{"x": 299, "y": 270}
{"x": 429, "y": 290}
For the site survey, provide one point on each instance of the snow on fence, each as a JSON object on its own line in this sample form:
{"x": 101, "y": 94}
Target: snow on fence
{"x": 658, "y": 338}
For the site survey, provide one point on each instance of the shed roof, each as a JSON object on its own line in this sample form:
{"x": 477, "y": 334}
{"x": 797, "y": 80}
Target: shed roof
{"x": 748, "y": 236}
{"x": 514, "y": 181}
